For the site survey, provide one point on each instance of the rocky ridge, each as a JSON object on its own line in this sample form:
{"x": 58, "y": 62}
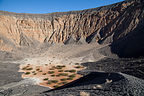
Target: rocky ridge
{"x": 105, "y": 25}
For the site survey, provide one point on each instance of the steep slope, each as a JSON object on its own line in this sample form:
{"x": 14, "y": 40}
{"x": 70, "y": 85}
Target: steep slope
{"x": 104, "y": 25}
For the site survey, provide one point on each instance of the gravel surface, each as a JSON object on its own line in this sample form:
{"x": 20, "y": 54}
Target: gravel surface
{"x": 106, "y": 77}
{"x": 121, "y": 84}
{"x": 9, "y": 73}
{"x": 11, "y": 83}
{"x": 131, "y": 66}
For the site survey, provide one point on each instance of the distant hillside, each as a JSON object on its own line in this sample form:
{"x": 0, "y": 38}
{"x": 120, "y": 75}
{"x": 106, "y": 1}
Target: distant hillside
{"x": 119, "y": 24}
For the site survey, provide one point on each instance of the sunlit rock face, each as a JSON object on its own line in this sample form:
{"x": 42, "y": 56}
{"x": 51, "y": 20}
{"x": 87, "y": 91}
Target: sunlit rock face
{"x": 105, "y": 25}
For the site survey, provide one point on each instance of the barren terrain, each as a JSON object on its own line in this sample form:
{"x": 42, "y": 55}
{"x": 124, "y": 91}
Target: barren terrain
{"x": 34, "y": 68}
{"x": 93, "y": 52}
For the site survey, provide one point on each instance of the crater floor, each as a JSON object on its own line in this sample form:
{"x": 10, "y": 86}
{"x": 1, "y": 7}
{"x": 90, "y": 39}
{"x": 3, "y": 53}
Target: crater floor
{"x": 93, "y": 73}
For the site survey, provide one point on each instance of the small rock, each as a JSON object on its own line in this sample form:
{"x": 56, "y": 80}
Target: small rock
{"x": 108, "y": 81}
{"x": 97, "y": 87}
{"x": 82, "y": 93}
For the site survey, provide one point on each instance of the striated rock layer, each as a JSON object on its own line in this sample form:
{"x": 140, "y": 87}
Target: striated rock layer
{"x": 108, "y": 24}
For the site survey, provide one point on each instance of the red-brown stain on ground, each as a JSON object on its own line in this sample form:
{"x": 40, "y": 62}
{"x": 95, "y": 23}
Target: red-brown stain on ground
{"x": 52, "y": 76}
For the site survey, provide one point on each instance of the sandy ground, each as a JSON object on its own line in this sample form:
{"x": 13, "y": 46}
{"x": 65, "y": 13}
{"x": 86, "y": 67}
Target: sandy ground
{"x": 68, "y": 55}
{"x": 55, "y": 54}
{"x": 65, "y": 54}
{"x": 12, "y": 83}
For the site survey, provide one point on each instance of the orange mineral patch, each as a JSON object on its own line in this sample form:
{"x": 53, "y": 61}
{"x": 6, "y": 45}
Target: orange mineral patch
{"x": 51, "y": 76}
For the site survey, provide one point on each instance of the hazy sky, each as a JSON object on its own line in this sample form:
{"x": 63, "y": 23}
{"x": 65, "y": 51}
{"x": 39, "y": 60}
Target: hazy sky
{"x": 48, "y": 6}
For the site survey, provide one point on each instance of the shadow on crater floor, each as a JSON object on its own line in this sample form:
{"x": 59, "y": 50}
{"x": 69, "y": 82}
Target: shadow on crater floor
{"x": 91, "y": 78}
